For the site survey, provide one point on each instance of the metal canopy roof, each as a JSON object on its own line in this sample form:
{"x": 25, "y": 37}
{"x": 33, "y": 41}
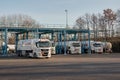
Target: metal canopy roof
{"x": 48, "y": 30}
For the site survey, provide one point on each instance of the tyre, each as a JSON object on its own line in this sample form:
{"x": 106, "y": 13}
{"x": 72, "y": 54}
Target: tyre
{"x": 68, "y": 52}
{"x": 35, "y": 55}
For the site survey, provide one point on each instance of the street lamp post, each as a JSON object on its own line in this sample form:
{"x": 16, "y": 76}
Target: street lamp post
{"x": 66, "y": 11}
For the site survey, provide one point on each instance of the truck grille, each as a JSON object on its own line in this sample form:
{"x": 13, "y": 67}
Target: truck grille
{"x": 45, "y": 52}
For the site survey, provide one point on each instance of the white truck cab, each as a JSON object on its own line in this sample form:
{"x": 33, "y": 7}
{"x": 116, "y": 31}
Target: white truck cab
{"x": 74, "y": 47}
{"x": 98, "y": 47}
{"x": 38, "y": 48}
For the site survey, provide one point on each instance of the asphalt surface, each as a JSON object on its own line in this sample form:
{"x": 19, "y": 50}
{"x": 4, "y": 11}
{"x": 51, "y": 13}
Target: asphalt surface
{"x": 61, "y": 67}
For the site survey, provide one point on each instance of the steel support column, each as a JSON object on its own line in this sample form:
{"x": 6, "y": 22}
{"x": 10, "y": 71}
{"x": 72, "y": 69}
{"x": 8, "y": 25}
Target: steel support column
{"x": 58, "y": 47}
{"x": 23, "y": 36}
{"x": 82, "y": 43}
{"x": 61, "y": 42}
{"x": 64, "y": 42}
{"x": 27, "y": 35}
{"x": 52, "y": 35}
{"x": 89, "y": 49}
{"x": 16, "y": 42}
{"x": 75, "y": 38}
{"x": 6, "y": 31}
{"x": 39, "y": 36}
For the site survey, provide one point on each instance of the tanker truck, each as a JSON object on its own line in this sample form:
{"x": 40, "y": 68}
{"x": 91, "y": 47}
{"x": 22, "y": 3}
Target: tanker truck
{"x": 38, "y": 48}
{"x": 107, "y": 46}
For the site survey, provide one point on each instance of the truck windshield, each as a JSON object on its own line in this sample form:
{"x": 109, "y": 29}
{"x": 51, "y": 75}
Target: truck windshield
{"x": 97, "y": 45}
{"x": 43, "y": 44}
{"x": 75, "y": 44}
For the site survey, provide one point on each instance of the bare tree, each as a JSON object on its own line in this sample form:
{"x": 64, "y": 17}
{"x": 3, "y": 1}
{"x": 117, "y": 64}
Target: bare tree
{"x": 118, "y": 16}
{"x": 18, "y": 20}
{"x": 80, "y": 22}
{"x": 110, "y": 17}
{"x": 94, "y": 22}
{"x": 87, "y": 18}
{"x": 102, "y": 24}
{"x": 118, "y": 22}
{"x": 84, "y": 22}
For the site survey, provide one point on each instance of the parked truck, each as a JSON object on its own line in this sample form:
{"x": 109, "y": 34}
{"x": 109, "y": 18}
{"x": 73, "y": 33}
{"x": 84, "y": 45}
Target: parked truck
{"x": 74, "y": 47}
{"x": 39, "y": 48}
{"x": 107, "y": 47}
{"x": 95, "y": 46}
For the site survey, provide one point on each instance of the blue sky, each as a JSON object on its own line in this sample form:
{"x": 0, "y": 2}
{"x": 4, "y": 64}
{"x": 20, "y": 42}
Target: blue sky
{"x": 53, "y": 11}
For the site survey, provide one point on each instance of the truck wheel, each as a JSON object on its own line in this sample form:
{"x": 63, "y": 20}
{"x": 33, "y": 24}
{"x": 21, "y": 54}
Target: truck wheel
{"x": 68, "y": 52}
{"x": 27, "y": 55}
{"x": 46, "y": 57}
{"x": 92, "y": 51}
{"x": 19, "y": 54}
{"x": 35, "y": 55}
